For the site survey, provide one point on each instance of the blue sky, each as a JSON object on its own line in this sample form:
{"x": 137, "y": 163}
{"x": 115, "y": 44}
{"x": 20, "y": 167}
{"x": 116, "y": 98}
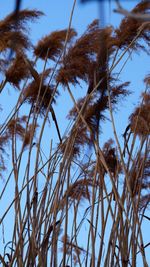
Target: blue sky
{"x": 57, "y": 14}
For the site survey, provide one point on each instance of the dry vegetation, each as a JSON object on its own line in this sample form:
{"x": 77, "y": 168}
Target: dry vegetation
{"x": 67, "y": 208}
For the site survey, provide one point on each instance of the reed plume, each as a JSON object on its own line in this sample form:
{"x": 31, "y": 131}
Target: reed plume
{"x": 13, "y": 34}
{"x": 140, "y": 118}
{"x": 140, "y": 179}
{"x": 17, "y": 71}
{"x": 79, "y": 57}
{"x": 51, "y": 46}
{"x": 129, "y": 28}
{"x": 40, "y": 86}
{"x": 94, "y": 114}
{"x": 17, "y": 127}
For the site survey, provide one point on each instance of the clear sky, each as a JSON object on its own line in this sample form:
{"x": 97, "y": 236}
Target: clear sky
{"x": 57, "y": 14}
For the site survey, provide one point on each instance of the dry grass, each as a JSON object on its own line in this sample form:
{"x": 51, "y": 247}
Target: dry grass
{"x": 67, "y": 206}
